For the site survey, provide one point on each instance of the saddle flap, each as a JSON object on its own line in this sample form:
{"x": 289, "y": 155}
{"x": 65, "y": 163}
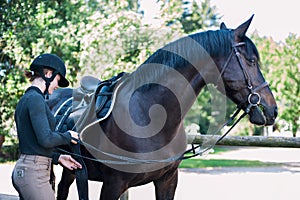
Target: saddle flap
{"x": 89, "y": 83}
{"x": 104, "y": 95}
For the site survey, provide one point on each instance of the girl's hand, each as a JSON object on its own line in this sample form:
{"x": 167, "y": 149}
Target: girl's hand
{"x": 69, "y": 162}
{"x": 74, "y": 135}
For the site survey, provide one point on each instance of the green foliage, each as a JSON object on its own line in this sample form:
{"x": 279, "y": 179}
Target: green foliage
{"x": 9, "y": 153}
{"x": 210, "y": 110}
{"x": 112, "y": 42}
{"x": 280, "y": 65}
{"x": 27, "y": 29}
{"x": 199, "y": 17}
{"x": 10, "y": 91}
{"x": 290, "y": 82}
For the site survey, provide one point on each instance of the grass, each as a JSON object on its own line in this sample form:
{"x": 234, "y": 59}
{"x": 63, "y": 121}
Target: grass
{"x": 203, "y": 163}
{"x": 199, "y": 162}
{"x": 220, "y": 149}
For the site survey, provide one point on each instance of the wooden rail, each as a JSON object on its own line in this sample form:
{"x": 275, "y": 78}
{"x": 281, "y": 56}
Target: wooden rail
{"x": 8, "y": 197}
{"x": 258, "y": 141}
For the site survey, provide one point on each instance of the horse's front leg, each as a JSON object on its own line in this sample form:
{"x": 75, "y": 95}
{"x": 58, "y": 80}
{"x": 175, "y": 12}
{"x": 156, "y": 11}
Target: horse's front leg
{"x": 165, "y": 186}
{"x": 66, "y": 180}
{"x": 113, "y": 188}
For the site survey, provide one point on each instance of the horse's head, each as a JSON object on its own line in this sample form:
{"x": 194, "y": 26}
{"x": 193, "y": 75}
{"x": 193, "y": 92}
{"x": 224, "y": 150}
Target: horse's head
{"x": 243, "y": 81}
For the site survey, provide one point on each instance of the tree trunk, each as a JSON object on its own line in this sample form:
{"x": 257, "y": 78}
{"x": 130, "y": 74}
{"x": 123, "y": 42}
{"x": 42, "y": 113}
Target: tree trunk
{"x": 2, "y": 139}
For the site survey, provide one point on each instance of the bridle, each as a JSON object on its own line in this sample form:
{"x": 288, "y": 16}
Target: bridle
{"x": 253, "y": 99}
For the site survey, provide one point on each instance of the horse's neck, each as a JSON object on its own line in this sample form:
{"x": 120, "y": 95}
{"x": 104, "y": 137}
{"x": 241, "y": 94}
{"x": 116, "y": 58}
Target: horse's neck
{"x": 184, "y": 74}
{"x": 161, "y": 91}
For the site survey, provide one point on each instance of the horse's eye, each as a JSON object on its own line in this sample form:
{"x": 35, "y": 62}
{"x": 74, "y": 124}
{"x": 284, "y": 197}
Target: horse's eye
{"x": 252, "y": 62}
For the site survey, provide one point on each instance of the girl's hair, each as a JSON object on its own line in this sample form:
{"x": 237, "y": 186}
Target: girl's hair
{"x": 31, "y": 75}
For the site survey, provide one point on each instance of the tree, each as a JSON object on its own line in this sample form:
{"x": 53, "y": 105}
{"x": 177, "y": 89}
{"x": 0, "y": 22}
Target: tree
{"x": 289, "y": 85}
{"x": 280, "y": 64}
{"x": 109, "y": 43}
{"x": 199, "y": 16}
{"x": 27, "y": 29}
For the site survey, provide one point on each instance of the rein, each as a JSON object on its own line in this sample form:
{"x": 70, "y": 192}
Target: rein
{"x": 213, "y": 145}
{"x": 253, "y": 100}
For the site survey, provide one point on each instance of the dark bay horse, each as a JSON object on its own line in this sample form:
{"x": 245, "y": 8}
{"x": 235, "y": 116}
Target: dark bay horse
{"x": 141, "y": 141}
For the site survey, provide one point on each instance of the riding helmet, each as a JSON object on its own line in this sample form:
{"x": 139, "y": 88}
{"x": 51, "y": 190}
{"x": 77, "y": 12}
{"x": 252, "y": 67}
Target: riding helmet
{"x": 54, "y": 62}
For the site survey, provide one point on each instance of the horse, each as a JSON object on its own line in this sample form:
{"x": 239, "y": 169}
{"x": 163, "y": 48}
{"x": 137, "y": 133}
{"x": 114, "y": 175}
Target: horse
{"x": 142, "y": 140}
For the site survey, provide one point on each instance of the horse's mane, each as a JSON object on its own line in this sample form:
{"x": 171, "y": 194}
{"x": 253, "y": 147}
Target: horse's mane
{"x": 216, "y": 43}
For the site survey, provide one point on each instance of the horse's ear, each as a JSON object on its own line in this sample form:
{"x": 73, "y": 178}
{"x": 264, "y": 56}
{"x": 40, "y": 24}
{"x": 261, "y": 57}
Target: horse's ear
{"x": 223, "y": 26}
{"x": 240, "y": 31}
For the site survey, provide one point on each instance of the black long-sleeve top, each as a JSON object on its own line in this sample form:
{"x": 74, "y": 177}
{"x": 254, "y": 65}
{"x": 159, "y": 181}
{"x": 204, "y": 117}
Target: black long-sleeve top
{"x": 36, "y": 124}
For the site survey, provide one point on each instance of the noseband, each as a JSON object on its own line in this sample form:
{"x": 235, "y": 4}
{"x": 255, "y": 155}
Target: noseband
{"x": 253, "y": 97}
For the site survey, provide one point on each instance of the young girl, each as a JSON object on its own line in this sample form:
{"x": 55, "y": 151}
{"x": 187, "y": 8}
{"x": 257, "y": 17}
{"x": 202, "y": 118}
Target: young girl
{"x": 35, "y": 127}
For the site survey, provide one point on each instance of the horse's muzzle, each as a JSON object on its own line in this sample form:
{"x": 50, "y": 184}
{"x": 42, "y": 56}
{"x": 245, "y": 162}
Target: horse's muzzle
{"x": 265, "y": 116}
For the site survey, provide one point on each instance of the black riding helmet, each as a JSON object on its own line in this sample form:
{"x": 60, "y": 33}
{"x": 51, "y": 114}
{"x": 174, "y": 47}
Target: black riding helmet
{"x": 53, "y": 62}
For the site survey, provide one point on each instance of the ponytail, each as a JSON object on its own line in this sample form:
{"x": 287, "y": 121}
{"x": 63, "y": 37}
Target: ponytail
{"x": 31, "y": 75}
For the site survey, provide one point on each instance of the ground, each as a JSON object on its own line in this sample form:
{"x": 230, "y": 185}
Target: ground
{"x": 271, "y": 183}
